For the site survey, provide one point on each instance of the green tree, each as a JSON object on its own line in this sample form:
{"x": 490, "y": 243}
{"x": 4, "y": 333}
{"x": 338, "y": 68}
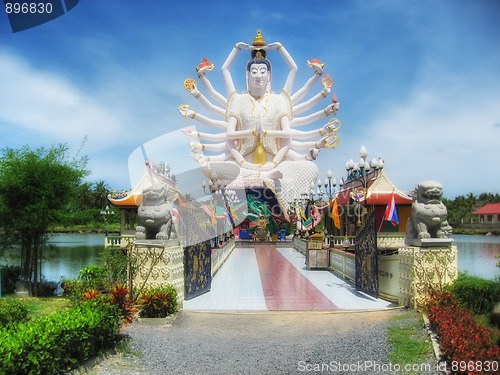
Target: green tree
{"x": 34, "y": 187}
{"x": 100, "y": 191}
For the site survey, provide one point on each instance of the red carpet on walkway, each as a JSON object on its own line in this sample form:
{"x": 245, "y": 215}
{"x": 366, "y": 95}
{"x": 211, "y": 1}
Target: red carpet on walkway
{"x": 285, "y": 288}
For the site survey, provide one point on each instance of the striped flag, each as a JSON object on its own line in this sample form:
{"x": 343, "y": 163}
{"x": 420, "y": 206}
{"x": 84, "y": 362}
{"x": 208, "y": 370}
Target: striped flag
{"x": 391, "y": 214}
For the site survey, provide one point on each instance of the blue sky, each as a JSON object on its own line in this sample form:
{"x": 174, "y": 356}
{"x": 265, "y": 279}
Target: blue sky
{"x": 418, "y": 82}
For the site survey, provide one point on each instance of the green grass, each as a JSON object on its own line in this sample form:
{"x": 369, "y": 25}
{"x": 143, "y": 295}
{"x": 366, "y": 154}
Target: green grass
{"x": 40, "y": 306}
{"x": 409, "y": 345}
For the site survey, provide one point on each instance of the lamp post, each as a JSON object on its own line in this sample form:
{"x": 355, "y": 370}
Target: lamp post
{"x": 360, "y": 171}
{"x": 330, "y": 185}
{"x": 105, "y": 213}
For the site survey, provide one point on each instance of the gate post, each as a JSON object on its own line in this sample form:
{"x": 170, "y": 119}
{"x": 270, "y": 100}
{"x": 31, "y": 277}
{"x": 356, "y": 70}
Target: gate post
{"x": 155, "y": 264}
{"x": 425, "y": 268}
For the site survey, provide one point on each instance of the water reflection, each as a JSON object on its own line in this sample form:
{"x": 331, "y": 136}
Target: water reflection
{"x": 66, "y": 256}
{"x": 477, "y": 255}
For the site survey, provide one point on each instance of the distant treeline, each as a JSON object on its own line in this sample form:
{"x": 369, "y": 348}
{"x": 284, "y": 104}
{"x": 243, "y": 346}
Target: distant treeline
{"x": 84, "y": 209}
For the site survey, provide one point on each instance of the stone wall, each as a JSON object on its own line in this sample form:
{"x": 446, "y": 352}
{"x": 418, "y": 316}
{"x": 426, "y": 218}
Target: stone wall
{"x": 343, "y": 263}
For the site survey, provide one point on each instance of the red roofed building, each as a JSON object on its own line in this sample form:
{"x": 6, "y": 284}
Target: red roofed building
{"x": 489, "y": 214}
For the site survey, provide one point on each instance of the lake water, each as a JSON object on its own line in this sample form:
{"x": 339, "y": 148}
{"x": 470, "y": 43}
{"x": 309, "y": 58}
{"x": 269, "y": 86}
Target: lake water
{"x": 69, "y": 253}
{"x": 72, "y": 251}
{"x": 477, "y": 255}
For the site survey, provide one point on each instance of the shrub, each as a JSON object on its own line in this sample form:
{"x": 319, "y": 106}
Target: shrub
{"x": 116, "y": 262}
{"x": 10, "y": 275}
{"x": 478, "y": 295}
{"x": 462, "y": 340}
{"x": 56, "y": 343}
{"x": 120, "y": 298}
{"x": 89, "y": 277}
{"x": 12, "y": 312}
{"x": 158, "y": 302}
{"x": 74, "y": 289}
{"x": 97, "y": 277}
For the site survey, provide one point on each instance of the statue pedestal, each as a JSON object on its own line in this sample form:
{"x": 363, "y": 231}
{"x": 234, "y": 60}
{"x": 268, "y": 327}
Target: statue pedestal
{"x": 157, "y": 243}
{"x": 156, "y": 264}
{"x": 425, "y": 268}
{"x": 429, "y": 242}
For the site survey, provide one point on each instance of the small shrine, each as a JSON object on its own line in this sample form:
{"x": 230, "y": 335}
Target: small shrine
{"x": 372, "y": 190}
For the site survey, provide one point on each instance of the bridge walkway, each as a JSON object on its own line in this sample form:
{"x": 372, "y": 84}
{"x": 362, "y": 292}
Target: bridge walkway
{"x": 269, "y": 278}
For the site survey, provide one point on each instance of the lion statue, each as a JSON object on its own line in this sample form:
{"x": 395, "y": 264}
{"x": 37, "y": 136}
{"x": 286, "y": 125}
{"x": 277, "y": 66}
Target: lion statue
{"x": 429, "y": 214}
{"x": 155, "y": 214}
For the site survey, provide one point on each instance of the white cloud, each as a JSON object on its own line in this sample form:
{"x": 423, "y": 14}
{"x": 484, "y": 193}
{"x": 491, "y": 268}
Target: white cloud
{"x": 49, "y": 105}
{"x": 443, "y": 135}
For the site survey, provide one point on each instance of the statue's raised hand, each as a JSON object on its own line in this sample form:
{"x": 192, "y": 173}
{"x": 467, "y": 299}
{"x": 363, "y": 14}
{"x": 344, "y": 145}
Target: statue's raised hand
{"x": 330, "y": 127}
{"x": 200, "y": 159}
{"x": 272, "y": 46}
{"x": 202, "y": 71}
{"x": 312, "y": 154}
{"x": 242, "y": 45}
{"x": 190, "y": 133}
{"x": 316, "y": 66}
{"x": 184, "y": 111}
{"x": 195, "y": 92}
{"x": 196, "y": 145}
{"x": 330, "y": 108}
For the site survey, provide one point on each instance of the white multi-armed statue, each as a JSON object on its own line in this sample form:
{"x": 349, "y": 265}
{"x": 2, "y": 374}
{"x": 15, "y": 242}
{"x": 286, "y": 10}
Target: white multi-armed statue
{"x": 259, "y": 145}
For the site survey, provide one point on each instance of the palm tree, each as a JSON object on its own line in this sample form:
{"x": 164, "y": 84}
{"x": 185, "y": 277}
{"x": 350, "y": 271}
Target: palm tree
{"x": 101, "y": 191}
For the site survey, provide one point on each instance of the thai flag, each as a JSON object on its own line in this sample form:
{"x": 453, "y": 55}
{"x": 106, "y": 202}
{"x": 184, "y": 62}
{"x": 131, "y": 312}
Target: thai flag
{"x": 175, "y": 213}
{"x": 391, "y": 214}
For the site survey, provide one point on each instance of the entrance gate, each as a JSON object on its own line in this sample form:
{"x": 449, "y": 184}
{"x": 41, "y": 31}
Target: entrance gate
{"x": 197, "y": 257}
{"x": 366, "y": 258}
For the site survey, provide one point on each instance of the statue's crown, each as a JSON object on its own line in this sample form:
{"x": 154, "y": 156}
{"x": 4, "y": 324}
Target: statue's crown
{"x": 259, "y": 40}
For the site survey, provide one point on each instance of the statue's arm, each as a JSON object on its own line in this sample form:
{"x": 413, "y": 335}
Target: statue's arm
{"x": 203, "y": 159}
{"x": 297, "y": 145}
{"x": 300, "y": 121}
{"x": 232, "y": 133}
{"x": 207, "y": 104}
{"x": 302, "y": 107}
{"x": 295, "y": 156}
{"x": 226, "y": 74}
{"x": 213, "y": 147}
{"x": 290, "y": 80}
{"x": 219, "y": 98}
{"x": 304, "y": 90}
{"x": 330, "y": 127}
{"x": 203, "y": 119}
{"x": 205, "y": 136}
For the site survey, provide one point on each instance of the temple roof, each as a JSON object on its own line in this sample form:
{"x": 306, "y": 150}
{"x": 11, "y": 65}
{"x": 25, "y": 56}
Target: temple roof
{"x": 380, "y": 188}
{"x": 133, "y": 198}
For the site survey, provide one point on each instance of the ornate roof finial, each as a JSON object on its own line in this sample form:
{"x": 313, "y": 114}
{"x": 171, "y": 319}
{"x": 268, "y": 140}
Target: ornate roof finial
{"x": 259, "y": 40}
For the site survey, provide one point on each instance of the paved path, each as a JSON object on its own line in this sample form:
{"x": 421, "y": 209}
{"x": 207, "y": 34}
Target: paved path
{"x": 260, "y": 343}
{"x": 265, "y": 278}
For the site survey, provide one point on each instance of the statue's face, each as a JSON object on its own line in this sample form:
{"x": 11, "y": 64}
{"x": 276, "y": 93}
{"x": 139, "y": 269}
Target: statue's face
{"x": 259, "y": 76}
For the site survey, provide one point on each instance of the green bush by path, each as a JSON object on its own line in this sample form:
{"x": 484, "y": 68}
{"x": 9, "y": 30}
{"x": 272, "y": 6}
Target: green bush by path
{"x": 58, "y": 342}
{"x": 158, "y": 302}
{"x": 12, "y": 311}
{"x": 476, "y": 294}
